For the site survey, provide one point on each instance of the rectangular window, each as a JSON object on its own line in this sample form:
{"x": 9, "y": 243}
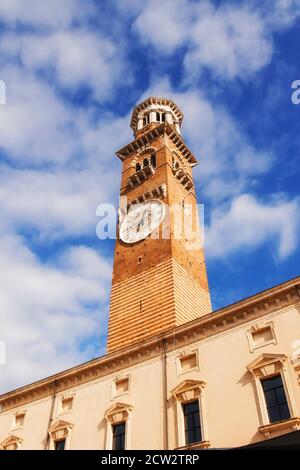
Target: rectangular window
{"x": 188, "y": 362}
{"x": 19, "y": 420}
{"x": 119, "y": 436}
{"x": 192, "y": 426}
{"x": 275, "y": 397}
{"x": 60, "y": 445}
{"x": 66, "y": 404}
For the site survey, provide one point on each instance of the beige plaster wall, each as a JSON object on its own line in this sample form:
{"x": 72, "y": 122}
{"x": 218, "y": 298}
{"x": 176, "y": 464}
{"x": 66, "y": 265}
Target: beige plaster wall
{"x": 231, "y": 408}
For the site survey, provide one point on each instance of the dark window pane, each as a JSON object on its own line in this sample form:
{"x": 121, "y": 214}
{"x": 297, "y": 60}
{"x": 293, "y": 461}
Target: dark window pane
{"x": 284, "y": 411}
{"x": 192, "y": 422}
{"x": 274, "y": 414}
{"x": 60, "y": 445}
{"x": 273, "y": 382}
{"x": 275, "y": 398}
{"x": 119, "y": 436}
{"x": 271, "y": 398}
{"x": 280, "y": 395}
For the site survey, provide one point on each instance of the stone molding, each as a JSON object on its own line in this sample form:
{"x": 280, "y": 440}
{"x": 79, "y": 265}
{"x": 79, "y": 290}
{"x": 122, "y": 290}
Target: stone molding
{"x": 118, "y": 413}
{"x": 257, "y": 328}
{"x": 288, "y": 425}
{"x": 197, "y": 445}
{"x": 60, "y": 430}
{"x": 12, "y": 442}
{"x": 158, "y": 101}
{"x": 188, "y": 390}
{"x": 268, "y": 365}
{"x": 149, "y": 136}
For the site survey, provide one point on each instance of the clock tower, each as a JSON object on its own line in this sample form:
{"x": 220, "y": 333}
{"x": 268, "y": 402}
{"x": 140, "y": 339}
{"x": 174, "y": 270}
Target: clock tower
{"x": 159, "y": 275}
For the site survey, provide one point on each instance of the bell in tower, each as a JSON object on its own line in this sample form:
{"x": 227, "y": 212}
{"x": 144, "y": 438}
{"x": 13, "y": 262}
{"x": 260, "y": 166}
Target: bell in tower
{"x": 159, "y": 279}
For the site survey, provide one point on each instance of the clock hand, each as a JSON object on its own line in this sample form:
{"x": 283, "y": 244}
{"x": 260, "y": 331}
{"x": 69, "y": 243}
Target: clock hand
{"x": 141, "y": 222}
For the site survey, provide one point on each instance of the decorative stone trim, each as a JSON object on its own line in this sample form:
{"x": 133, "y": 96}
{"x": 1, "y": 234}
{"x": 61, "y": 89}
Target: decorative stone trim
{"x": 186, "y": 391}
{"x": 257, "y": 328}
{"x": 149, "y": 136}
{"x": 158, "y": 101}
{"x": 146, "y": 151}
{"x": 67, "y": 396}
{"x": 288, "y": 425}
{"x": 185, "y": 355}
{"x": 118, "y": 413}
{"x": 197, "y": 445}
{"x": 184, "y": 178}
{"x": 18, "y": 415}
{"x": 118, "y": 380}
{"x": 268, "y": 365}
{"x": 159, "y": 191}
{"x": 141, "y": 175}
{"x": 58, "y": 431}
{"x": 11, "y": 443}
{"x": 296, "y": 364}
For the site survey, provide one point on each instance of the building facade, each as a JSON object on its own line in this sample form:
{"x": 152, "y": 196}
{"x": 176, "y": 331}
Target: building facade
{"x": 176, "y": 374}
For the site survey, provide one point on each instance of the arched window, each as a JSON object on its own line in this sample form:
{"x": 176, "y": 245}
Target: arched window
{"x": 138, "y": 167}
{"x": 153, "y": 160}
{"x": 160, "y": 117}
{"x": 146, "y": 119}
{"x": 175, "y": 163}
{"x": 145, "y": 162}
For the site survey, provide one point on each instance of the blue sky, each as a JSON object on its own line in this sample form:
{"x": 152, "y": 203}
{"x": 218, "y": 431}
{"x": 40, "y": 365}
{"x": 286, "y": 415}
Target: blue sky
{"x": 73, "y": 72}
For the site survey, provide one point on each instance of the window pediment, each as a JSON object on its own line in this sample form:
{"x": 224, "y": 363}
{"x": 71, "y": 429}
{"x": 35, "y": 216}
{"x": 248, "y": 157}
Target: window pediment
{"x": 267, "y": 364}
{"x": 60, "y": 429}
{"x": 188, "y": 390}
{"x": 118, "y": 412}
{"x": 10, "y": 443}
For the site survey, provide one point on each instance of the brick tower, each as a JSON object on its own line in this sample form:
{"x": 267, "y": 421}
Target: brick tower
{"x": 159, "y": 275}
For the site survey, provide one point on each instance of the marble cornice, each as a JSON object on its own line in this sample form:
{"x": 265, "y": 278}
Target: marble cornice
{"x": 251, "y": 308}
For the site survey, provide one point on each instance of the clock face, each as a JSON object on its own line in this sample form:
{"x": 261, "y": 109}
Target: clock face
{"x": 141, "y": 220}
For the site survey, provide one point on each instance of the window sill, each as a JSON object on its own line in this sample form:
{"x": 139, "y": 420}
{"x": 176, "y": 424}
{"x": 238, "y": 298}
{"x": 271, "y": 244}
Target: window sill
{"x": 195, "y": 445}
{"x": 292, "y": 424}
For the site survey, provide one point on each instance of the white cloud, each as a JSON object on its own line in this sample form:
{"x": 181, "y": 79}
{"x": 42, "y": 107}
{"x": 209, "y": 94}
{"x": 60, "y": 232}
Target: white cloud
{"x": 52, "y": 13}
{"x": 282, "y": 14}
{"x": 78, "y": 57}
{"x": 34, "y": 125}
{"x": 55, "y": 204}
{"x": 50, "y": 314}
{"x": 163, "y": 24}
{"x": 249, "y": 223}
{"x": 230, "y": 40}
{"x": 38, "y": 127}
